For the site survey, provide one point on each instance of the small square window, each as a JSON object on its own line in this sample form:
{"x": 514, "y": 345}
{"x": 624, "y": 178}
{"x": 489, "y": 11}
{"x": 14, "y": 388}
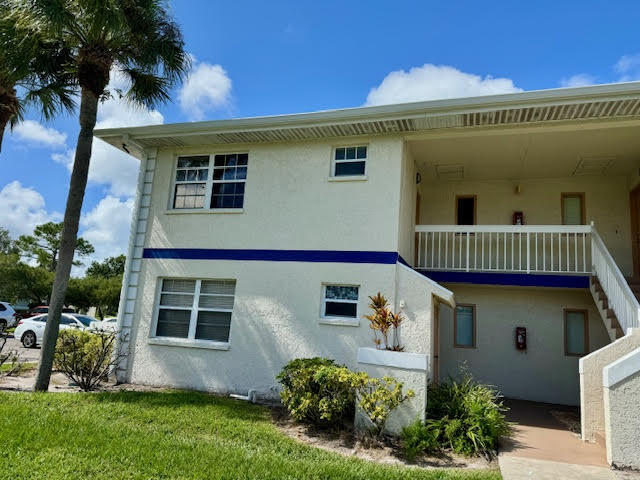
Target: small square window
{"x": 464, "y": 326}
{"x": 229, "y": 177}
{"x": 192, "y": 174}
{"x": 349, "y": 161}
{"x": 340, "y": 301}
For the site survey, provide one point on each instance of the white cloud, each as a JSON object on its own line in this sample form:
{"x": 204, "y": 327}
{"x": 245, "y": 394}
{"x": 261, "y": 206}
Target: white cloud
{"x": 207, "y": 87}
{"x": 579, "y": 80}
{"x": 628, "y": 67}
{"x": 22, "y": 209}
{"x": 110, "y": 166}
{"x": 107, "y": 227}
{"x": 33, "y": 132}
{"x": 432, "y": 82}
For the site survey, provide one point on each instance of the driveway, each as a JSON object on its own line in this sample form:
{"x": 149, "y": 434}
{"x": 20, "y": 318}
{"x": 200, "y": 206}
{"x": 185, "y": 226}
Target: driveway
{"x": 25, "y": 354}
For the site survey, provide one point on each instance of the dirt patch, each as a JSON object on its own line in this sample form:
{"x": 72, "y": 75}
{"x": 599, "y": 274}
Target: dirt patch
{"x": 386, "y": 451}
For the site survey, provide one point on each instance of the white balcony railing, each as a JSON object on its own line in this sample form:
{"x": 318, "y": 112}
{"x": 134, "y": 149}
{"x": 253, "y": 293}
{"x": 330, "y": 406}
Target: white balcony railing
{"x": 554, "y": 249}
{"x": 620, "y": 297}
{"x": 505, "y": 248}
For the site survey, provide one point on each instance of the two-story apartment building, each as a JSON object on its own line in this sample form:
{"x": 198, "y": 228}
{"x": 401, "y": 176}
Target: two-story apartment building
{"x": 505, "y": 228}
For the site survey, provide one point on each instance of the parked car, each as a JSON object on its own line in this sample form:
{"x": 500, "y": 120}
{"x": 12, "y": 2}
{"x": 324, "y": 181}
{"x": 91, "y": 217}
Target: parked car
{"x": 7, "y": 316}
{"x": 31, "y": 330}
{"x": 40, "y": 309}
{"x": 108, "y": 324}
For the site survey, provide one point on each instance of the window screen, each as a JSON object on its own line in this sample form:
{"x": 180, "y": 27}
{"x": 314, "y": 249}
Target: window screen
{"x": 464, "y": 326}
{"x": 576, "y": 332}
{"x": 572, "y": 210}
{"x": 349, "y": 161}
{"x": 340, "y": 301}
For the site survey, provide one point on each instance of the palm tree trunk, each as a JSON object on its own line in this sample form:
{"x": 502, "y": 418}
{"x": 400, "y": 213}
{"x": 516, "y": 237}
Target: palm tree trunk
{"x": 77, "y": 185}
{"x": 3, "y": 126}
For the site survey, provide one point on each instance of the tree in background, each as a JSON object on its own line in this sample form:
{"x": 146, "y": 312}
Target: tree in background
{"x": 6, "y": 243}
{"x": 34, "y": 64}
{"x": 108, "y": 268}
{"x": 44, "y": 245}
{"x": 138, "y": 39}
{"x": 20, "y": 281}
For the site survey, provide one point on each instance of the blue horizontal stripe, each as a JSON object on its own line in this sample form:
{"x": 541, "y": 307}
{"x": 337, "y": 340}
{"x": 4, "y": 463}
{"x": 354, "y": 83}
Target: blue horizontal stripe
{"x": 518, "y": 279}
{"x": 329, "y": 256}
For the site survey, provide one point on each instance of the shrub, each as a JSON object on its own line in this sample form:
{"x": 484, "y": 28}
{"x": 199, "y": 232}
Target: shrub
{"x": 379, "y": 397}
{"x": 85, "y": 358}
{"x": 383, "y": 320}
{"x": 318, "y": 391}
{"x": 463, "y": 416}
{"x": 10, "y": 363}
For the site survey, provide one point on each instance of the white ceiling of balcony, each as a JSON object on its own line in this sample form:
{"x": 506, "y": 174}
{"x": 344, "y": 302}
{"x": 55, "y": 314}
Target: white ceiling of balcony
{"x": 544, "y": 153}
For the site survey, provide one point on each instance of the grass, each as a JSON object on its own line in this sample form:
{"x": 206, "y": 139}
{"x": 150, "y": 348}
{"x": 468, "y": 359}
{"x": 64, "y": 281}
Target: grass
{"x": 24, "y": 367}
{"x": 168, "y": 435}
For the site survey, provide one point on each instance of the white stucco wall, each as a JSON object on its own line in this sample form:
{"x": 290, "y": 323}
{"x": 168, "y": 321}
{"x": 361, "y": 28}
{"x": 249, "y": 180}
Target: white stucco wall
{"x": 276, "y": 318}
{"x": 591, "y": 393}
{"x": 290, "y": 202}
{"x": 542, "y": 373}
{"x": 622, "y": 411}
{"x": 407, "y": 207}
{"x": 606, "y": 204}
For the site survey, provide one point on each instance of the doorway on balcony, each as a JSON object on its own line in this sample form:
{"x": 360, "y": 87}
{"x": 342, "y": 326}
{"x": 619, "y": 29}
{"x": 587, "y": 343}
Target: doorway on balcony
{"x": 634, "y": 204}
{"x": 466, "y": 209}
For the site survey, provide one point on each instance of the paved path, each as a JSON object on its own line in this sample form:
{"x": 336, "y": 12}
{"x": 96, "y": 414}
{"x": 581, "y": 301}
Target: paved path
{"x": 25, "y": 354}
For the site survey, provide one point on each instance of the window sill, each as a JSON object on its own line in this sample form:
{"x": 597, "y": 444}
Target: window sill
{"x": 349, "y": 178}
{"x": 184, "y": 342}
{"x": 203, "y": 210}
{"x": 341, "y": 322}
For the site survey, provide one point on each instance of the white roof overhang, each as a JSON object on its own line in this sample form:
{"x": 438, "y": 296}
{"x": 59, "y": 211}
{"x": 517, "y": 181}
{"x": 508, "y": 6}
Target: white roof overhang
{"x": 584, "y": 104}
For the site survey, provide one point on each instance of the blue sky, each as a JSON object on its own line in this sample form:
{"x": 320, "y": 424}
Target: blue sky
{"x": 264, "y": 58}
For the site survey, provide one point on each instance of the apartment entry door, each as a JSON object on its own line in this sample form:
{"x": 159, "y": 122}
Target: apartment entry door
{"x": 634, "y": 200}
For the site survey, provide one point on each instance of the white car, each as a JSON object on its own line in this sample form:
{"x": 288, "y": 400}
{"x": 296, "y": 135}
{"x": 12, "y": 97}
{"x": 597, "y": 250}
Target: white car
{"x": 31, "y": 330}
{"x": 108, "y": 324}
{"x": 7, "y": 316}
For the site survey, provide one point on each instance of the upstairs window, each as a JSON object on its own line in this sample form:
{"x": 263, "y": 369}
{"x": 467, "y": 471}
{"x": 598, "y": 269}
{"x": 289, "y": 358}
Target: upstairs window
{"x": 340, "y": 301}
{"x": 191, "y": 182}
{"x": 195, "y": 309}
{"x": 573, "y": 209}
{"x": 205, "y": 182}
{"x": 229, "y": 177}
{"x": 349, "y": 161}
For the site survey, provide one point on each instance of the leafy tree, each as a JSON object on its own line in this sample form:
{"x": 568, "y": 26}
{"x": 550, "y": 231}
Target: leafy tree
{"x": 33, "y": 64}
{"x": 44, "y": 245}
{"x": 6, "y": 243}
{"x": 21, "y": 281}
{"x": 108, "y": 268}
{"x": 137, "y": 38}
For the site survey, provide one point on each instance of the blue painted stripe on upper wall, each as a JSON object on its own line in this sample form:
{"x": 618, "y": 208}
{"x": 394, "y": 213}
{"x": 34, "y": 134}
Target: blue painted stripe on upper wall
{"x": 516, "y": 279}
{"x": 329, "y": 256}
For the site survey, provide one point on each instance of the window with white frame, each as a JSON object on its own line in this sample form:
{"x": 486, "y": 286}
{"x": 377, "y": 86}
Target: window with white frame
{"x": 349, "y": 161}
{"x": 340, "y": 301}
{"x": 195, "y": 309}
{"x": 192, "y": 174}
{"x": 198, "y": 184}
{"x": 229, "y": 177}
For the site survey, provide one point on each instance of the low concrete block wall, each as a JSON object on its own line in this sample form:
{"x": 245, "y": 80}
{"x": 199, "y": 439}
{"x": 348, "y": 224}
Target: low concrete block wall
{"x": 591, "y": 368}
{"x": 409, "y": 368}
{"x": 621, "y": 384}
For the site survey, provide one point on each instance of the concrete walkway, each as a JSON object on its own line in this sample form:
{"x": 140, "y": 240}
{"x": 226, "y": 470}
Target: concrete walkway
{"x": 544, "y": 447}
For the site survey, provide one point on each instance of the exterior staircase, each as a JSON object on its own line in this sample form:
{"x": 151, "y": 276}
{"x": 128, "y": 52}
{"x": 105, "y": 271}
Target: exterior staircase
{"x": 609, "y": 317}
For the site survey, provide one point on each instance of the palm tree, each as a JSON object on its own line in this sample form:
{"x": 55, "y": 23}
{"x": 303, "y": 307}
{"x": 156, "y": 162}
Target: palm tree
{"x": 137, "y": 38}
{"x": 35, "y": 66}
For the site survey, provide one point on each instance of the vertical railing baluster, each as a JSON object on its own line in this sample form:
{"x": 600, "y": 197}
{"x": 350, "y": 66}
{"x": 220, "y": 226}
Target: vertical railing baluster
{"x": 467, "y": 251}
{"x": 528, "y": 254}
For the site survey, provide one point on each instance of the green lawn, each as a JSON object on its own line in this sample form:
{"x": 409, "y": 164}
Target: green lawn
{"x": 25, "y": 367}
{"x": 171, "y": 435}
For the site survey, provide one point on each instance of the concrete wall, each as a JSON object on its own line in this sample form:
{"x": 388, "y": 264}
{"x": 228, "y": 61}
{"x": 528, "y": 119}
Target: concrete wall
{"x": 290, "y": 201}
{"x": 276, "y": 318}
{"x": 591, "y": 393}
{"x": 621, "y": 382}
{"x": 606, "y": 204}
{"x": 407, "y": 214}
{"x": 542, "y": 373}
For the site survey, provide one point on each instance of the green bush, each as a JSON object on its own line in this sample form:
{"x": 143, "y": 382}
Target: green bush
{"x": 465, "y": 417}
{"x": 379, "y": 397}
{"x": 85, "y": 358}
{"x": 318, "y": 391}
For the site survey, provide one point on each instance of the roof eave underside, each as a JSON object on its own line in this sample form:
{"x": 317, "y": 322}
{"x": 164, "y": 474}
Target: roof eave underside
{"x": 384, "y": 121}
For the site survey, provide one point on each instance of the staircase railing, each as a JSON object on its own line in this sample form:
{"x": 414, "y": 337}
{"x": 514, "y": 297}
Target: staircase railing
{"x": 620, "y": 297}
